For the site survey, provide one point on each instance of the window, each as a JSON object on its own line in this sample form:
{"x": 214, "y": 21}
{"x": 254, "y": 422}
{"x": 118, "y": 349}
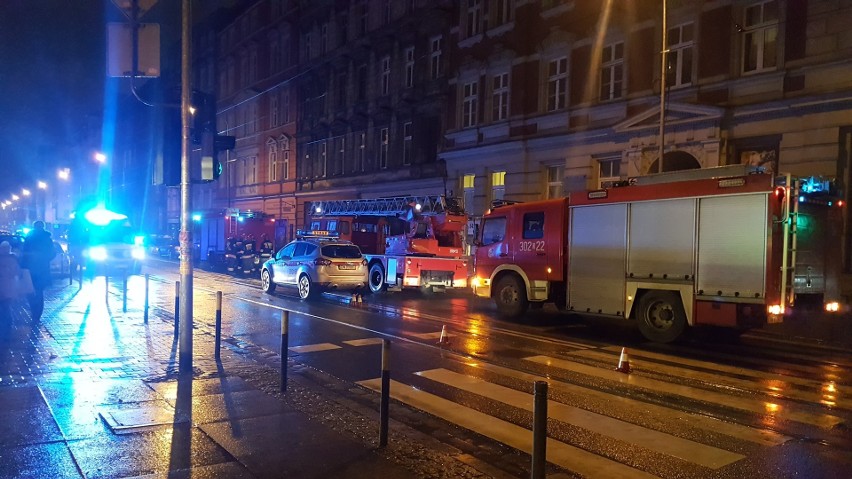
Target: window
{"x": 285, "y": 50}
{"x": 273, "y": 110}
{"x": 285, "y": 106}
{"x": 250, "y": 171}
{"x": 612, "y": 71}
{"x": 341, "y": 155}
{"x": 468, "y": 189}
{"x": 474, "y": 17}
{"x": 533, "y": 225}
{"x": 324, "y": 38}
{"x": 557, "y": 84}
{"x": 253, "y": 64}
{"x": 498, "y": 185}
{"x": 274, "y": 55}
{"x": 609, "y": 171}
{"x": 385, "y": 80}
{"x": 384, "y": 140}
{"x": 759, "y": 37}
{"x": 503, "y": 11}
{"x": 284, "y": 142}
{"x": 409, "y": 67}
{"x": 500, "y": 97}
{"x": 362, "y": 10}
{"x": 680, "y": 40}
{"x": 362, "y": 82}
{"x": 406, "y": 143}
{"x": 387, "y": 10}
{"x": 341, "y": 89}
{"x": 437, "y": 47}
{"x": 362, "y": 152}
{"x": 469, "y": 105}
{"x": 324, "y": 158}
{"x": 272, "y": 156}
{"x": 555, "y": 175}
{"x": 307, "y": 45}
{"x": 493, "y": 230}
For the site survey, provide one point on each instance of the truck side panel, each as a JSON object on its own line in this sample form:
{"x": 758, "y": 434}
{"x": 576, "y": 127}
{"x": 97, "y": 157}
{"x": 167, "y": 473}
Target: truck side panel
{"x": 662, "y": 239}
{"x": 597, "y": 241}
{"x": 732, "y": 244}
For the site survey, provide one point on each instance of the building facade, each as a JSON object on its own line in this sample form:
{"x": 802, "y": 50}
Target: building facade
{"x": 558, "y": 96}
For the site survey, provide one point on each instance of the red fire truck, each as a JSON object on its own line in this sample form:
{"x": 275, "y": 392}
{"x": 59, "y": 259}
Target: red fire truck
{"x": 409, "y": 241}
{"x": 729, "y": 246}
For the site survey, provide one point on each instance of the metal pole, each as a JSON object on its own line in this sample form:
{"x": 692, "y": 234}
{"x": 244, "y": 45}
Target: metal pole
{"x": 185, "y": 342}
{"x": 385, "y": 401}
{"x": 145, "y": 314}
{"x": 218, "y": 324}
{"x": 663, "y": 52}
{"x": 177, "y": 306}
{"x": 106, "y": 289}
{"x": 124, "y": 297}
{"x": 285, "y": 320}
{"x": 539, "y": 452}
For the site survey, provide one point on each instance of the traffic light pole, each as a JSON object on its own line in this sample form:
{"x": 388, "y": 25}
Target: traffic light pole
{"x": 185, "y": 303}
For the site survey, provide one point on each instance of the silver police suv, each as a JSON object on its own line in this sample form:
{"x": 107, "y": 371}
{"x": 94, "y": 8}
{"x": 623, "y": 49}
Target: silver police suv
{"x": 315, "y": 265}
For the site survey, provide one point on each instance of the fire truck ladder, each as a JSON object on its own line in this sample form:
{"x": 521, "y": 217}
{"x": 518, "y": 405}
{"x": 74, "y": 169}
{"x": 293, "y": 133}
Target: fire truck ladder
{"x": 397, "y": 205}
{"x": 788, "y": 261}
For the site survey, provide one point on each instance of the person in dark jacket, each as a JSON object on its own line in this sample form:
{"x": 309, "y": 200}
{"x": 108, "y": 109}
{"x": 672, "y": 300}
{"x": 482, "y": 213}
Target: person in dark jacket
{"x": 37, "y": 253}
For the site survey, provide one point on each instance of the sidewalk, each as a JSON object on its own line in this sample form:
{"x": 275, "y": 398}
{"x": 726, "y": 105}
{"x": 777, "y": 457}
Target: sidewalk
{"x": 94, "y": 392}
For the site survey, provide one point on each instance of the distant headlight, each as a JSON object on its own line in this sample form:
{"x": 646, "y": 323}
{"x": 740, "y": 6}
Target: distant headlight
{"x": 138, "y": 253}
{"x": 97, "y": 253}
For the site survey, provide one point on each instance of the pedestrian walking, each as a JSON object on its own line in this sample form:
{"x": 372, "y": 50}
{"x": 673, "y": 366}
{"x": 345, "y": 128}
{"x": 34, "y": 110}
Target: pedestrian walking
{"x": 37, "y": 253}
{"x": 9, "y": 290}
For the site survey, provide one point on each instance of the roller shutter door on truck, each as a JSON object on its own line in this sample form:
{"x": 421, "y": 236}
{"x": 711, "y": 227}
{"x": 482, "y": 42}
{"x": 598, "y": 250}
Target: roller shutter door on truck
{"x": 732, "y": 246}
{"x": 597, "y": 250}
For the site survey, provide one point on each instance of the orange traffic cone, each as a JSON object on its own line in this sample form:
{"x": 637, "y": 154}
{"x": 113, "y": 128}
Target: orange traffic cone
{"x": 445, "y": 338}
{"x": 359, "y": 298}
{"x": 354, "y": 299}
{"x": 623, "y": 362}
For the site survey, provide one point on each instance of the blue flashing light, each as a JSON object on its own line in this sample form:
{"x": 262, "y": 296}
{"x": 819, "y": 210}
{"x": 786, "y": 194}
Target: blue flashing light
{"x": 829, "y": 203}
{"x": 196, "y": 217}
{"x": 25, "y": 231}
{"x": 98, "y": 253}
{"x": 101, "y": 216}
{"x": 801, "y": 199}
{"x": 240, "y": 219}
{"x": 139, "y": 241}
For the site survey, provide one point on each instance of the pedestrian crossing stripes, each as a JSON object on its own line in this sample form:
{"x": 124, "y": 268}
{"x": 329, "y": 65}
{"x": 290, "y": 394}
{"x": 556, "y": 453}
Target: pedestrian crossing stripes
{"x": 436, "y": 336}
{"x": 363, "y": 342}
{"x": 772, "y": 384}
{"x": 692, "y": 451}
{"x": 569, "y": 457}
{"x": 312, "y": 348}
{"x": 749, "y": 403}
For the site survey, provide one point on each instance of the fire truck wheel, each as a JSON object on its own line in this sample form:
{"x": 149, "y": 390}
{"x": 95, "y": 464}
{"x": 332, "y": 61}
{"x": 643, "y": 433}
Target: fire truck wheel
{"x": 377, "y": 279}
{"x": 266, "y": 281}
{"x": 661, "y": 316}
{"x": 511, "y": 297}
{"x": 307, "y": 290}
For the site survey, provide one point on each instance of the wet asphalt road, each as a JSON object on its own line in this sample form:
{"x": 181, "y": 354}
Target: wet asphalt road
{"x": 774, "y": 403}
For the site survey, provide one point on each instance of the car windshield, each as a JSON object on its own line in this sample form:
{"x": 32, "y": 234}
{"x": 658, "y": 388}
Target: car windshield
{"x": 348, "y": 251}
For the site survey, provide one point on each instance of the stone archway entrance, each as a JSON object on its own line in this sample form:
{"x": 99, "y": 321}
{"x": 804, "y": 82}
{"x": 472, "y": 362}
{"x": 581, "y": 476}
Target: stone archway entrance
{"x": 675, "y": 161}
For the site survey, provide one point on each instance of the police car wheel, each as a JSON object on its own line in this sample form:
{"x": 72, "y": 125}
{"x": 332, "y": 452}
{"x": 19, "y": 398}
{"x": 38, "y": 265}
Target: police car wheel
{"x": 307, "y": 290}
{"x": 266, "y": 281}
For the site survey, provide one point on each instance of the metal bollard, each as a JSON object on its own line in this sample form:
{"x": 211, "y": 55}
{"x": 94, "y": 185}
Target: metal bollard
{"x": 106, "y": 288}
{"x": 385, "y": 401}
{"x": 177, "y": 306}
{"x": 285, "y": 320}
{"x": 539, "y": 452}
{"x": 124, "y": 297}
{"x": 218, "y": 324}
{"x": 145, "y": 314}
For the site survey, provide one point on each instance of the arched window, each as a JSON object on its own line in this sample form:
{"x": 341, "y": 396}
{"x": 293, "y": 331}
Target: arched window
{"x": 272, "y": 156}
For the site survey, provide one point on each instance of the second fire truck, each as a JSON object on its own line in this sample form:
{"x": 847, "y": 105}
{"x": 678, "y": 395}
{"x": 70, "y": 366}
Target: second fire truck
{"x": 724, "y": 247}
{"x": 409, "y": 241}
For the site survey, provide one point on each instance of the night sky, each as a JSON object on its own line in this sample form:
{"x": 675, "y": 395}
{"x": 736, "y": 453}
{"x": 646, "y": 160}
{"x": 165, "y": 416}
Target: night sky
{"x": 52, "y": 75}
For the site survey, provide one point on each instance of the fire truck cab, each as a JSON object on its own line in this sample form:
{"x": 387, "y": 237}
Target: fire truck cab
{"x": 706, "y": 247}
{"x": 409, "y": 241}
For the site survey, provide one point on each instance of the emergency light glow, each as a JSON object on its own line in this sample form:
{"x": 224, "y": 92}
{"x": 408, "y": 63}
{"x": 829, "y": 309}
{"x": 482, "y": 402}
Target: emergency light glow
{"x": 98, "y": 253}
{"x": 138, "y": 253}
{"x": 318, "y": 210}
{"x": 102, "y": 216}
{"x": 196, "y": 217}
{"x": 775, "y": 309}
{"x": 139, "y": 240}
{"x": 832, "y": 307}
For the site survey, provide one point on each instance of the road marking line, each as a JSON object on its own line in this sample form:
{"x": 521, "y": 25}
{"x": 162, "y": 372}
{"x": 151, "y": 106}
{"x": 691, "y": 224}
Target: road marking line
{"x": 763, "y": 437}
{"x": 569, "y": 457}
{"x": 364, "y": 342}
{"x": 431, "y": 335}
{"x": 312, "y": 348}
{"x": 771, "y": 363}
{"x": 746, "y": 404}
{"x": 767, "y": 383}
{"x": 697, "y": 453}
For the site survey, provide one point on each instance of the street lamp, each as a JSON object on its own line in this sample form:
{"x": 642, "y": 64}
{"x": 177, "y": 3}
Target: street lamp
{"x": 100, "y": 157}
{"x": 63, "y": 174}
{"x": 25, "y": 192}
{"x": 15, "y": 197}
{"x": 42, "y": 185}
